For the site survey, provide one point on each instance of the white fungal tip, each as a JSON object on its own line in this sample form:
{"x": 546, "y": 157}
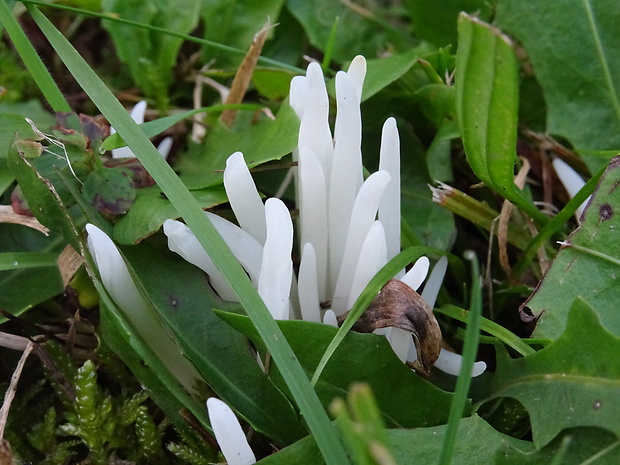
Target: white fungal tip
{"x": 330, "y": 318}
{"x": 451, "y": 363}
{"x": 229, "y": 435}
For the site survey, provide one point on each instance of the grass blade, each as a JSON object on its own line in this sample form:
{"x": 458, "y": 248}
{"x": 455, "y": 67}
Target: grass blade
{"x": 470, "y": 347}
{"x": 31, "y": 59}
{"x": 497, "y": 331}
{"x": 23, "y": 260}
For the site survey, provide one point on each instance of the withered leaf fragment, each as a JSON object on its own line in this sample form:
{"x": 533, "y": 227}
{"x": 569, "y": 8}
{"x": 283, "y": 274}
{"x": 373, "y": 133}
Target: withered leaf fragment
{"x": 399, "y": 306}
{"x": 243, "y": 76}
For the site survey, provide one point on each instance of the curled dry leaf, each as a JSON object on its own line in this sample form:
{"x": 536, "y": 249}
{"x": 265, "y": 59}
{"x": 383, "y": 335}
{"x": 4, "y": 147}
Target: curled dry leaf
{"x": 399, "y": 306}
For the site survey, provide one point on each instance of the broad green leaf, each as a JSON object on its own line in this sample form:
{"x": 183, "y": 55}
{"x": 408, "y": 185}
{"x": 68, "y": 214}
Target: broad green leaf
{"x": 151, "y": 209}
{"x": 586, "y": 266}
{"x": 437, "y": 102}
{"x": 429, "y": 224}
{"x": 439, "y": 154}
{"x": 477, "y": 442}
{"x": 274, "y": 84}
{"x": 383, "y": 71}
{"x": 570, "y": 383}
{"x": 184, "y": 300}
{"x": 235, "y": 24}
{"x": 50, "y": 162}
{"x": 110, "y": 191}
{"x": 487, "y": 101}
{"x": 86, "y": 209}
{"x": 576, "y": 446}
{"x": 423, "y": 221}
{"x": 267, "y": 140}
{"x": 151, "y": 55}
{"x": 572, "y": 45}
{"x": 364, "y": 34}
{"x": 404, "y": 398}
{"x": 436, "y": 21}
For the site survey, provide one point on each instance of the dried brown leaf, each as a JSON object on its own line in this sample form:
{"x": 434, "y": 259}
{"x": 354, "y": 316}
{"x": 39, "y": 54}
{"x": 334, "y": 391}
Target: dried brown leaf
{"x": 7, "y": 215}
{"x": 243, "y": 76}
{"x": 399, "y": 306}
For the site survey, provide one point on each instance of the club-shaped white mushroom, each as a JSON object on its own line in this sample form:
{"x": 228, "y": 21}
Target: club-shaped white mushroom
{"x": 228, "y": 433}
{"x": 120, "y": 285}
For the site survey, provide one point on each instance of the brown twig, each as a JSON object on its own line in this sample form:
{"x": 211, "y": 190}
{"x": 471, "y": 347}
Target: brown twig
{"x": 10, "y": 392}
{"x": 504, "y": 219}
{"x": 488, "y": 279}
{"x": 12, "y": 341}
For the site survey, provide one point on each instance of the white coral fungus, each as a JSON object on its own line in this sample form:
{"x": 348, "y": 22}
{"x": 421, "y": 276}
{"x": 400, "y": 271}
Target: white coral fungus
{"x": 348, "y": 227}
